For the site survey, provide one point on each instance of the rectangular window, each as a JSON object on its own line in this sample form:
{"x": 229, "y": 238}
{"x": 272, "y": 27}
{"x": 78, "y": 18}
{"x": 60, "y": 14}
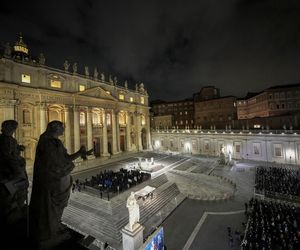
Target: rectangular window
{"x": 121, "y": 97}
{"x": 237, "y": 148}
{"x": 55, "y": 84}
{"x": 25, "y": 78}
{"x": 131, "y": 99}
{"x": 256, "y": 148}
{"x": 81, "y": 87}
{"x": 278, "y": 150}
{"x": 142, "y": 100}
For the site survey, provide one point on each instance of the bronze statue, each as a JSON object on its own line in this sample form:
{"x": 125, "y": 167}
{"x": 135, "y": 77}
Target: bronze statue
{"x": 13, "y": 177}
{"x": 51, "y": 187}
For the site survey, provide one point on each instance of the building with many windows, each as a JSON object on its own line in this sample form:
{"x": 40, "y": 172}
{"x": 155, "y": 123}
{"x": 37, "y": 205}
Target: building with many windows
{"x": 96, "y": 113}
{"x": 176, "y": 114}
{"x": 275, "y": 107}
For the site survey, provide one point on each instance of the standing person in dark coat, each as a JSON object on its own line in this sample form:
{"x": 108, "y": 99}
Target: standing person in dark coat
{"x": 13, "y": 177}
{"x": 51, "y": 187}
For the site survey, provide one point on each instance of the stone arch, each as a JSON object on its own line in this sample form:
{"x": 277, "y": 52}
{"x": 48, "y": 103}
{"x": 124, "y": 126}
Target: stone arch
{"x": 97, "y": 118}
{"x": 55, "y": 112}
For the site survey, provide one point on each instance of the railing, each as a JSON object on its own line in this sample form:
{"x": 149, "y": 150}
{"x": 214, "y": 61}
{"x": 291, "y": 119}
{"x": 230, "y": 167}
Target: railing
{"x": 228, "y": 131}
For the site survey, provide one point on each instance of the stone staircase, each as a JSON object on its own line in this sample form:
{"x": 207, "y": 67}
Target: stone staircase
{"x": 104, "y": 219}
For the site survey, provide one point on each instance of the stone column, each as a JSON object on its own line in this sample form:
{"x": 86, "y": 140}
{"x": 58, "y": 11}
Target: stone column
{"x": 104, "y": 136}
{"x": 118, "y": 132}
{"x": 89, "y": 129}
{"x": 76, "y": 129}
{"x": 128, "y": 136}
{"x": 113, "y": 132}
{"x": 43, "y": 118}
{"x": 148, "y": 132}
{"x": 138, "y": 131}
{"x": 68, "y": 130}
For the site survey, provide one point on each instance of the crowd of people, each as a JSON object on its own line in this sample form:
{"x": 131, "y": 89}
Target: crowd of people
{"x": 116, "y": 182}
{"x": 272, "y": 225}
{"x": 278, "y": 182}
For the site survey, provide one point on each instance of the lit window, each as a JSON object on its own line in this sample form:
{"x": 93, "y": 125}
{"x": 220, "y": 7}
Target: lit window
{"x": 55, "y": 84}
{"x": 121, "y": 97}
{"x": 256, "y": 125}
{"x": 143, "y": 120}
{"x": 131, "y": 99}
{"x": 25, "y": 78}
{"x": 81, "y": 88}
{"x": 142, "y": 100}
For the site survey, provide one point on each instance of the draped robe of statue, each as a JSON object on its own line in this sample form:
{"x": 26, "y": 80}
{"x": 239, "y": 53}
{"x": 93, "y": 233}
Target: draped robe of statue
{"x": 12, "y": 167}
{"x": 51, "y": 187}
{"x": 134, "y": 212}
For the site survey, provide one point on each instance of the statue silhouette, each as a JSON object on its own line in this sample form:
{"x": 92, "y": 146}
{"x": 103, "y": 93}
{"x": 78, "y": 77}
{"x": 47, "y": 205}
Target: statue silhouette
{"x": 51, "y": 187}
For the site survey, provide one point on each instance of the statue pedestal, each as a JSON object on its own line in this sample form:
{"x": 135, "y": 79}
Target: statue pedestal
{"x": 132, "y": 240}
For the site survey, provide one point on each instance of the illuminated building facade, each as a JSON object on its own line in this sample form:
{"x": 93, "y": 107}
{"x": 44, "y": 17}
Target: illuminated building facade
{"x": 268, "y": 147}
{"x": 96, "y": 113}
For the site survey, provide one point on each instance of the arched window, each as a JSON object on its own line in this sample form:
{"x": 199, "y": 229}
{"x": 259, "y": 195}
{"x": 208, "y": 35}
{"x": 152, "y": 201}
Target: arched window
{"x": 82, "y": 119}
{"x": 54, "y": 115}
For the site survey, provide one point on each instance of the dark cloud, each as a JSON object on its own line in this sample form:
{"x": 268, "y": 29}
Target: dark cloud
{"x": 174, "y": 47}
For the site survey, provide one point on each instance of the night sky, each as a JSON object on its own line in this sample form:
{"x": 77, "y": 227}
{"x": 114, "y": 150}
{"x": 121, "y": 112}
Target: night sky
{"x": 173, "y": 47}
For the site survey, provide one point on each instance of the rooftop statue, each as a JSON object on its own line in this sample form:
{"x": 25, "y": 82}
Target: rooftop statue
{"x": 7, "y": 50}
{"x": 66, "y": 65}
{"x": 96, "y": 73}
{"x": 42, "y": 59}
{"x": 75, "y": 68}
{"x": 110, "y": 80}
{"x": 115, "y": 80}
{"x": 126, "y": 84}
{"x": 141, "y": 87}
{"x": 86, "y": 71}
{"x": 102, "y": 77}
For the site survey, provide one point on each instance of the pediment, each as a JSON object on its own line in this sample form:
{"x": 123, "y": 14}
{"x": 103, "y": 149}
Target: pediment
{"x": 97, "y": 92}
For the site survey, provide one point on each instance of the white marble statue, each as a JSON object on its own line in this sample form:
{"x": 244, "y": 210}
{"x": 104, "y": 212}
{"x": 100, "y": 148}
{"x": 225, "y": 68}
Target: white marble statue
{"x": 134, "y": 211}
